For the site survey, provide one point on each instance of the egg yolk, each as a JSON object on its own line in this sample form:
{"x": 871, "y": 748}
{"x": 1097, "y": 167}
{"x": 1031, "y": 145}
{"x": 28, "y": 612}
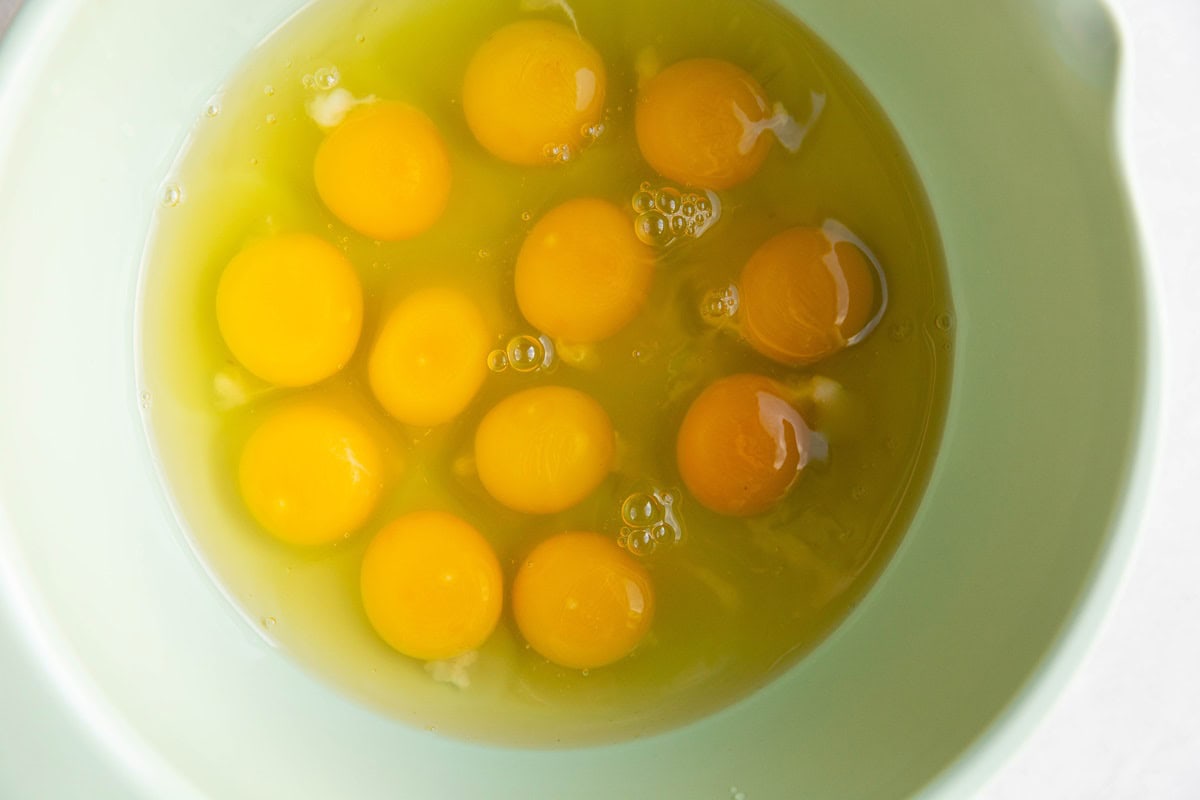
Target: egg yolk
{"x": 582, "y": 274}
{"x": 430, "y": 357}
{"x": 431, "y": 585}
{"x": 384, "y": 171}
{"x": 310, "y": 474}
{"x": 802, "y": 296}
{"x": 742, "y": 445}
{"x": 543, "y": 450}
{"x": 290, "y": 309}
{"x": 531, "y": 87}
{"x": 701, "y": 122}
{"x": 581, "y": 601}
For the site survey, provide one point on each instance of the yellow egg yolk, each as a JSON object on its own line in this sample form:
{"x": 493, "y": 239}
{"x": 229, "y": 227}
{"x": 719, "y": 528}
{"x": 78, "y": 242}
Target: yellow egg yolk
{"x": 531, "y": 87}
{"x": 543, "y": 450}
{"x": 581, "y": 601}
{"x": 430, "y": 357}
{"x": 582, "y": 274}
{"x": 742, "y": 445}
{"x": 802, "y": 296}
{"x": 310, "y": 474}
{"x": 384, "y": 171}
{"x": 290, "y": 309}
{"x": 701, "y": 122}
{"x": 431, "y": 585}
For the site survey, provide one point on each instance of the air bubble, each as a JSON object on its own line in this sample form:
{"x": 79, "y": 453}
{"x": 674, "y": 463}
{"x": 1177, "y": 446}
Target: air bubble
{"x": 526, "y": 216}
{"x": 652, "y": 228}
{"x": 668, "y": 200}
{"x": 212, "y": 109}
{"x": 172, "y": 195}
{"x": 640, "y": 510}
{"x": 360, "y": 38}
{"x": 269, "y": 90}
{"x": 271, "y": 119}
{"x": 497, "y": 361}
{"x": 326, "y": 78}
{"x": 643, "y": 202}
{"x": 679, "y": 226}
{"x": 268, "y": 622}
{"x": 943, "y": 322}
{"x": 483, "y": 254}
{"x": 145, "y": 398}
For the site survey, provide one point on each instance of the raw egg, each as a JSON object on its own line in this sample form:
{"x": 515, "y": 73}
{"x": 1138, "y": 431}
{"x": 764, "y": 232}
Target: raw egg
{"x": 804, "y": 296}
{"x": 543, "y": 450}
{"x": 534, "y": 92}
{"x": 742, "y": 445}
{"x": 384, "y": 171}
{"x": 582, "y": 273}
{"x": 703, "y": 122}
{"x": 430, "y": 357}
{"x": 311, "y": 474}
{"x": 581, "y": 601}
{"x": 289, "y": 308}
{"x": 431, "y": 585}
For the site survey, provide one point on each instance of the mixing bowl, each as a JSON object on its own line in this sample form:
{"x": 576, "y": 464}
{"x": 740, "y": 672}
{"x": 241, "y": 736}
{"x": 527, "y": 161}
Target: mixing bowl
{"x": 1008, "y": 110}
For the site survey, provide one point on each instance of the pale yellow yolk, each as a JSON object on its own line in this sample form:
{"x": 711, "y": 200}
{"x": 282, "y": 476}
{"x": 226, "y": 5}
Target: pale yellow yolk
{"x": 582, "y": 274}
{"x": 543, "y": 450}
{"x": 802, "y": 296}
{"x": 384, "y": 171}
{"x": 430, "y": 357}
{"x": 310, "y": 474}
{"x": 431, "y": 586}
{"x": 531, "y": 87}
{"x": 290, "y": 309}
{"x": 581, "y": 601}
{"x": 701, "y": 122}
{"x": 742, "y": 445}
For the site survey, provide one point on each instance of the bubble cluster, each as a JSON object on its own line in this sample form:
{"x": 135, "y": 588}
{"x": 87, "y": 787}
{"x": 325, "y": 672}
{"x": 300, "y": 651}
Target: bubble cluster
{"x": 650, "y": 520}
{"x": 665, "y": 215}
{"x": 558, "y": 153}
{"x": 719, "y": 306}
{"x": 322, "y": 79}
{"x": 524, "y": 353}
{"x": 593, "y": 132}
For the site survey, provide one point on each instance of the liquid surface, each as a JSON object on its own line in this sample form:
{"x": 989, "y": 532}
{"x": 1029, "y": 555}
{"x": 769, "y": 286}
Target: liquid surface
{"x": 736, "y": 599}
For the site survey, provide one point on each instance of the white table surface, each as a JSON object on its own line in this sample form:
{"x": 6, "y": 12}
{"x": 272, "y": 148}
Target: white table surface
{"x": 1128, "y": 724}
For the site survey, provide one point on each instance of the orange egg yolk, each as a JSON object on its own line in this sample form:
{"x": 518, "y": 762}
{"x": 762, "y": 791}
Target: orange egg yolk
{"x": 581, "y": 601}
{"x": 430, "y": 357}
{"x": 290, "y": 309}
{"x": 431, "y": 585}
{"x": 742, "y": 445}
{"x": 802, "y": 296}
{"x": 310, "y": 474}
{"x": 543, "y": 450}
{"x": 582, "y": 274}
{"x": 700, "y": 122}
{"x": 384, "y": 171}
{"x": 531, "y": 87}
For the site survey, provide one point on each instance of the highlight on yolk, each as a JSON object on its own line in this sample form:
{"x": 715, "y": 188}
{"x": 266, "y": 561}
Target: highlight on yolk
{"x": 742, "y": 445}
{"x": 581, "y": 601}
{"x": 543, "y": 450}
{"x": 703, "y": 122}
{"x": 805, "y": 296}
{"x": 431, "y": 585}
{"x": 430, "y": 357}
{"x": 290, "y": 309}
{"x": 384, "y": 171}
{"x": 310, "y": 474}
{"x": 582, "y": 273}
{"x": 531, "y": 87}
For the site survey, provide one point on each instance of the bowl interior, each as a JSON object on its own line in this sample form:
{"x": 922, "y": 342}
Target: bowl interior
{"x": 1007, "y": 111}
